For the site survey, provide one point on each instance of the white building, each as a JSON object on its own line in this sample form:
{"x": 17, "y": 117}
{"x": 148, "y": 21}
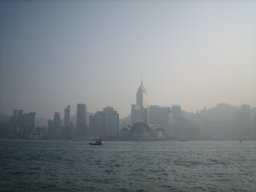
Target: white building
{"x": 139, "y": 112}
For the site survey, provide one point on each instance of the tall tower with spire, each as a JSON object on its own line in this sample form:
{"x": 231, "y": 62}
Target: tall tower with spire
{"x": 141, "y": 96}
{"x": 139, "y": 112}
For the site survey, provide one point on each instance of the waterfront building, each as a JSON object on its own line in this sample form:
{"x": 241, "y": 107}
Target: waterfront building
{"x": 57, "y": 125}
{"x": 104, "y": 124}
{"x": 66, "y": 130}
{"x": 99, "y": 124}
{"x": 16, "y": 123}
{"x": 175, "y": 122}
{"x": 139, "y": 112}
{"x": 111, "y": 123}
{"x": 141, "y": 96}
{"x": 91, "y": 131}
{"x": 159, "y": 117}
{"x": 81, "y": 115}
{"x": 51, "y": 132}
{"x": 28, "y": 127}
{"x": 22, "y": 125}
{"x": 141, "y": 131}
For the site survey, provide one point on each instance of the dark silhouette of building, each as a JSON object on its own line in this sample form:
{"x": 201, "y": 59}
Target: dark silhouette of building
{"x": 22, "y": 125}
{"x": 57, "y": 125}
{"x": 111, "y": 123}
{"x": 91, "y": 130}
{"x": 51, "y": 130}
{"x": 139, "y": 112}
{"x": 159, "y": 117}
{"x": 28, "y": 125}
{"x": 99, "y": 124}
{"x": 66, "y": 130}
{"x": 104, "y": 124}
{"x": 16, "y": 123}
{"x": 81, "y": 115}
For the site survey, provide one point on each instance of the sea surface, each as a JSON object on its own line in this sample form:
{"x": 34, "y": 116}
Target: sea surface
{"x": 35, "y": 165}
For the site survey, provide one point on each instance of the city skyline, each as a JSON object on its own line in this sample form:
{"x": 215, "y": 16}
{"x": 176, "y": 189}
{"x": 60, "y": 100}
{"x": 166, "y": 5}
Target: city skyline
{"x": 72, "y": 110}
{"x": 221, "y": 122}
{"x": 195, "y": 54}
{"x": 146, "y": 122}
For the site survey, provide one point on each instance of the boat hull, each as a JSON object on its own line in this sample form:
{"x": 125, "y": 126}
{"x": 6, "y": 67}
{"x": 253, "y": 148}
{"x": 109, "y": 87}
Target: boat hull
{"x": 95, "y": 143}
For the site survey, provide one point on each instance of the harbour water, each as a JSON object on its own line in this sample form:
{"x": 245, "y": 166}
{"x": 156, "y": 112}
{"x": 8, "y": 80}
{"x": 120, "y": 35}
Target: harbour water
{"x": 127, "y": 166}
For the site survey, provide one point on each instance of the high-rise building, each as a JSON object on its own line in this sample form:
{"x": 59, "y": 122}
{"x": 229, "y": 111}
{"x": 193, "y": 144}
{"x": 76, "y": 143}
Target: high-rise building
{"x": 57, "y": 125}
{"x": 81, "y": 115}
{"x": 99, "y": 124}
{"x": 67, "y": 131}
{"x": 28, "y": 125}
{"x": 104, "y": 124}
{"x": 141, "y": 96}
{"x": 159, "y": 117}
{"x": 139, "y": 112}
{"x": 111, "y": 123}
{"x": 91, "y": 131}
{"x": 67, "y": 116}
{"x": 16, "y": 123}
{"x": 22, "y": 125}
{"x": 175, "y": 122}
{"x": 51, "y": 129}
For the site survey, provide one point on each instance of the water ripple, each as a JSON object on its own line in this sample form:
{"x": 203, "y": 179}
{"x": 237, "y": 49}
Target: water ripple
{"x": 127, "y": 166}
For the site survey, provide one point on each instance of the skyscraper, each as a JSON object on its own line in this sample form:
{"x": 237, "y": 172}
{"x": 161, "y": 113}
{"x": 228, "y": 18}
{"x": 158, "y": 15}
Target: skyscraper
{"x": 81, "y": 115}
{"x": 141, "y": 96}
{"x": 92, "y": 126}
{"x": 22, "y": 125}
{"x": 175, "y": 122}
{"x": 28, "y": 125}
{"x": 67, "y": 116}
{"x": 99, "y": 124}
{"x": 16, "y": 123}
{"x": 51, "y": 129}
{"x": 159, "y": 116}
{"x": 57, "y": 125}
{"x": 66, "y": 131}
{"x": 111, "y": 123}
{"x": 139, "y": 112}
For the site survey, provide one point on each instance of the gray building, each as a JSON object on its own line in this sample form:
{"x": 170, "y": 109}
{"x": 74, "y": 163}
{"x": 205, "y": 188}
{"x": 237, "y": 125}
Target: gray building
{"x": 16, "y": 123}
{"x": 91, "y": 131}
{"x": 111, "y": 123}
{"x": 28, "y": 125}
{"x": 175, "y": 121}
{"x": 104, "y": 124}
{"x": 57, "y": 125}
{"x": 159, "y": 117}
{"x": 98, "y": 124}
{"x": 22, "y": 125}
{"x": 81, "y": 115}
{"x": 139, "y": 112}
{"x": 66, "y": 130}
{"x": 51, "y": 132}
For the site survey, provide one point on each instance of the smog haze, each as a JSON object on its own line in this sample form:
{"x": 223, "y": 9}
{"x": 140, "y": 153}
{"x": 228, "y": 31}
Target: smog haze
{"x": 191, "y": 53}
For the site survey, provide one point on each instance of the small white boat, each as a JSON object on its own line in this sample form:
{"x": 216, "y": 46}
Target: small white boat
{"x": 97, "y": 142}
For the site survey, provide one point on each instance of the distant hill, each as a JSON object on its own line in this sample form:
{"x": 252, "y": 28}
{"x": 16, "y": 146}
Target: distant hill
{"x": 221, "y": 112}
{"x": 219, "y": 122}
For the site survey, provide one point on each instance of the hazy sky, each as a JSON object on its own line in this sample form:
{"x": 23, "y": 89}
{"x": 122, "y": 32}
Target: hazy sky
{"x": 192, "y": 53}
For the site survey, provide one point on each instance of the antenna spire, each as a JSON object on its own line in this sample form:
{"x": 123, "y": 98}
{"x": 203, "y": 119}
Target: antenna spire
{"x": 141, "y": 79}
